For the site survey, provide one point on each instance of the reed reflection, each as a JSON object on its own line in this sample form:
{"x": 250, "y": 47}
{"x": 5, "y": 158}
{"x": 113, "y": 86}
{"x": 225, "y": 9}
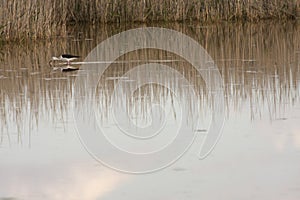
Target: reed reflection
{"x": 259, "y": 64}
{"x": 144, "y": 97}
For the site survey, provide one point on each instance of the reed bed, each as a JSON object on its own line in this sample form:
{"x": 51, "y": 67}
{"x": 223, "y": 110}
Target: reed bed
{"x": 38, "y": 19}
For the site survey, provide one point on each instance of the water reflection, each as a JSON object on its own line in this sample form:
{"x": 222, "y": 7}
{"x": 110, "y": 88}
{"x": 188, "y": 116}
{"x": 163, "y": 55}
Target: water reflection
{"x": 71, "y": 182}
{"x": 260, "y": 65}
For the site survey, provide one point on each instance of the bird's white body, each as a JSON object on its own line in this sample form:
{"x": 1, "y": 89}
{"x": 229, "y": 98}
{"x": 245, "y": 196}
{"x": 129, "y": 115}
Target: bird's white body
{"x": 65, "y": 57}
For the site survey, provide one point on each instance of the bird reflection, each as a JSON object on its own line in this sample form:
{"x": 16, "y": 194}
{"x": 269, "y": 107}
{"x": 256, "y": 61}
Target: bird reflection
{"x": 67, "y": 68}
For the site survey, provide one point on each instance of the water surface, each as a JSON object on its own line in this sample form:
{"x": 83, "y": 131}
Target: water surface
{"x": 257, "y": 156}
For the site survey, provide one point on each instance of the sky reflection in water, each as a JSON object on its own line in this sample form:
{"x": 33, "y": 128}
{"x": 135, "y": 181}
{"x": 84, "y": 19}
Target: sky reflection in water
{"x": 257, "y": 156}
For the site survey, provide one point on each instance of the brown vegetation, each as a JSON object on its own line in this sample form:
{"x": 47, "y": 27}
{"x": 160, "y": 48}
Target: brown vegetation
{"x": 37, "y": 19}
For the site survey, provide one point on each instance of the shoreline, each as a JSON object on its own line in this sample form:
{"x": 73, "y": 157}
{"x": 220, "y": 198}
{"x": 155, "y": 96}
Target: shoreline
{"x": 68, "y": 29}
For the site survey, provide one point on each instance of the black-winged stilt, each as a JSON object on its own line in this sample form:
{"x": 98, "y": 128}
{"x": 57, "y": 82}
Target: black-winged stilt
{"x": 66, "y": 57}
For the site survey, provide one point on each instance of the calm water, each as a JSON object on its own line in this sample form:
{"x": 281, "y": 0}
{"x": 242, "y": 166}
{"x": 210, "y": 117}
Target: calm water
{"x": 141, "y": 99}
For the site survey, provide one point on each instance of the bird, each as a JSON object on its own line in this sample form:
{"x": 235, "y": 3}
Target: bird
{"x": 65, "y": 57}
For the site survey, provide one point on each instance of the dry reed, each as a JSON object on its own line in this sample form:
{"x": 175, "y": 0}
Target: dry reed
{"x": 38, "y": 19}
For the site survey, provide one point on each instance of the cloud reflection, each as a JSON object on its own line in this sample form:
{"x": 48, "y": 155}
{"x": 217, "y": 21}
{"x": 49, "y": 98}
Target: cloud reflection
{"x": 59, "y": 181}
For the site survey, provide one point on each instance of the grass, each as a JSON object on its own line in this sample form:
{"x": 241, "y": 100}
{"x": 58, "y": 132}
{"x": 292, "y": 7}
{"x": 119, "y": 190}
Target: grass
{"x": 39, "y": 19}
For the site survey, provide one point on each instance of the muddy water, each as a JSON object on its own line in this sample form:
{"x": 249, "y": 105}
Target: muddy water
{"x": 43, "y": 148}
